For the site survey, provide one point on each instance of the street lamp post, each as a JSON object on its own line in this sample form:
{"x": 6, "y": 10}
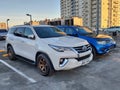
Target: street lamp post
{"x": 7, "y": 23}
{"x": 30, "y": 18}
{"x": 97, "y": 25}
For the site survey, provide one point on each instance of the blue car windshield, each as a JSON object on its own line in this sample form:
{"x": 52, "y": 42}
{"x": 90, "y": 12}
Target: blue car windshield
{"x": 83, "y": 30}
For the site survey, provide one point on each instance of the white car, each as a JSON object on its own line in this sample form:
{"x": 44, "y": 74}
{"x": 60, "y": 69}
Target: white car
{"x": 47, "y": 47}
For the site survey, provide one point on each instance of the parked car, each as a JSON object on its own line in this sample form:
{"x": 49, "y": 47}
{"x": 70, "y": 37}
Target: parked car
{"x": 3, "y": 33}
{"x": 47, "y": 47}
{"x": 112, "y": 30}
{"x": 101, "y": 44}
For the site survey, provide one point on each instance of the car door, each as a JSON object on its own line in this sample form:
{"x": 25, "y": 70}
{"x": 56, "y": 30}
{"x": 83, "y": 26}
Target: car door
{"x": 29, "y": 44}
{"x": 18, "y": 41}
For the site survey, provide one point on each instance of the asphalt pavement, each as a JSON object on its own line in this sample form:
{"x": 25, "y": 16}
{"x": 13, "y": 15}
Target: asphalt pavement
{"x": 101, "y": 74}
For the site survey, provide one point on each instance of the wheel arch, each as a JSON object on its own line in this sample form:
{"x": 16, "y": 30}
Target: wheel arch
{"x": 9, "y": 45}
{"x": 38, "y": 53}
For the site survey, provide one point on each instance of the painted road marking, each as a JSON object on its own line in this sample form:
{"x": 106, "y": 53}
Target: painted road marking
{"x": 5, "y": 55}
{"x": 19, "y": 72}
{"x": 2, "y": 50}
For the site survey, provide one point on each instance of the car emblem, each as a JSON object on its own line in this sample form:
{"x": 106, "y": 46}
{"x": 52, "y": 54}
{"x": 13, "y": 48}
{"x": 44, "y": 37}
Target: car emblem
{"x": 84, "y": 48}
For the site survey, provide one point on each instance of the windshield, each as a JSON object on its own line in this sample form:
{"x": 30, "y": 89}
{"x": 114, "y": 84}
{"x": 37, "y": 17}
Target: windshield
{"x": 87, "y": 29}
{"x": 48, "y": 32}
{"x": 83, "y": 30}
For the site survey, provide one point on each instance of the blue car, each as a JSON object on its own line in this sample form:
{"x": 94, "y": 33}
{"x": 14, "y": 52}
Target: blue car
{"x": 101, "y": 44}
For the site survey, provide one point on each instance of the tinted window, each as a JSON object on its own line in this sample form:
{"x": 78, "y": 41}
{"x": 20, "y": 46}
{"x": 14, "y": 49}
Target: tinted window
{"x": 28, "y": 32}
{"x": 19, "y": 31}
{"x": 62, "y": 29}
{"x": 11, "y": 30}
{"x": 69, "y": 31}
{"x": 82, "y": 31}
{"x": 87, "y": 29}
{"x": 47, "y": 32}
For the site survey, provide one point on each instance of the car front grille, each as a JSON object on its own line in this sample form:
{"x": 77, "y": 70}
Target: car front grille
{"x": 82, "y": 49}
{"x": 84, "y": 57}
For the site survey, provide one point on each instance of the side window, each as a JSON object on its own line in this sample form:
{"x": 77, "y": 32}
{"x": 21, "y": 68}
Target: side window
{"x": 11, "y": 30}
{"x": 63, "y": 29}
{"x": 69, "y": 31}
{"x": 19, "y": 31}
{"x": 28, "y": 33}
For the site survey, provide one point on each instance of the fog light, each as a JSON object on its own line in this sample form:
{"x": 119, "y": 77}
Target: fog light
{"x": 62, "y": 62}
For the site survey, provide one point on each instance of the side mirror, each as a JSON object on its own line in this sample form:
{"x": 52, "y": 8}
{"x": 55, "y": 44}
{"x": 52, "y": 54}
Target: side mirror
{"x": 17, "y": 34}
{"x": 31, "y": 36}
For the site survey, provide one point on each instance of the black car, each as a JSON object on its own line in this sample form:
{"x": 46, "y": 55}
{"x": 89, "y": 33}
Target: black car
{"x": 3, "y": 33}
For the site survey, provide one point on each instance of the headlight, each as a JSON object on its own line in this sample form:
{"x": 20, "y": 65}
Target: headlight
{"x": 113, "y": 41}
{"x": 102, "y": 42}
{"x": 60, "y": 48}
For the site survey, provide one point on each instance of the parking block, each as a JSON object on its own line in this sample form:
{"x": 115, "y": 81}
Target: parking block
{"x": 5, "y": 55}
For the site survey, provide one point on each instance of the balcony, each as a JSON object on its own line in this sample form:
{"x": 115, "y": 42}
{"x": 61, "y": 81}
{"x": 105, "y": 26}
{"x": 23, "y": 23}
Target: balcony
{"x": 116, "y": 2}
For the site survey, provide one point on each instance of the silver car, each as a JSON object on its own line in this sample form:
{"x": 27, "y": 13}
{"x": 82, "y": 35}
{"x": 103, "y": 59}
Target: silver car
{"x": 113, "y": 30}
{"x": 3, "y": 33}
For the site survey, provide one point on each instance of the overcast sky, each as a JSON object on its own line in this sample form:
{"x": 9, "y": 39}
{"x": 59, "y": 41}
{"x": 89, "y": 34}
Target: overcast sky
{"x": 16, "y": 10}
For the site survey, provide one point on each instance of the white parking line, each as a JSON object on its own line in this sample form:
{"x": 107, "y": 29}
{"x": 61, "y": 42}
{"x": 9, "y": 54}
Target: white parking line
{"x": 19, "y": 72}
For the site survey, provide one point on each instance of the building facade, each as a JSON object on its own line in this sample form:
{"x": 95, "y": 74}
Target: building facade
{"x": 109, "y": 12}
{"x": 87, "y": 9}
{"x": 3, "y": 25}
{"x": 69, "y": 8}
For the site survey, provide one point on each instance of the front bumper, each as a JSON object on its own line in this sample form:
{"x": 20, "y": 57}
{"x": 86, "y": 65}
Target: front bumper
{"x": 2, "y": 37}
{"x": 73, "y": 60}
{"x": 103, "y": 49}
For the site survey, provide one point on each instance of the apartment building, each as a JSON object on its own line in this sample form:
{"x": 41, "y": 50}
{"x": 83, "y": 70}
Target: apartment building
{"x": 109, "y": 12}
{"x": 69, "y": 8}
{"x": 87, "y": 9}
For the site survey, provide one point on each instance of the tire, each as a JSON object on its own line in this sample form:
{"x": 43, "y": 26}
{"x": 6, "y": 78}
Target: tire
{"x": 11, "y": 53}
{"x": 44, "y": 65}
{"x": 94, "y": 53}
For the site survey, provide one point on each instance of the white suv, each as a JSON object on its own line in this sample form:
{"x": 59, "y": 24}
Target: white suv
{"x": 47, "y": 47}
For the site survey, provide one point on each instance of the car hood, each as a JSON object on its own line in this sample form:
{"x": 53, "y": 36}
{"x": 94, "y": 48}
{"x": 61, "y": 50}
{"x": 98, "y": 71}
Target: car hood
{"x": 103, "y": 36}
{"x": 99, "y": 36}
{"x": 3, "y": 34}
{"x": 65, "y": 41}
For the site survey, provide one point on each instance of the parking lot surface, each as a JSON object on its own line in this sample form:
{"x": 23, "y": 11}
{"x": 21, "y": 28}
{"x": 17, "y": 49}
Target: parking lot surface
{"x": 101, "y": 74}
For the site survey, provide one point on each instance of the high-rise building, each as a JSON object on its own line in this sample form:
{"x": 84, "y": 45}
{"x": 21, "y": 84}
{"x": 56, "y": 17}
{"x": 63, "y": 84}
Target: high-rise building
{"x": 109, "y": 12}
{"x": 69, "y": 8}
{"x": 87, "y": 9}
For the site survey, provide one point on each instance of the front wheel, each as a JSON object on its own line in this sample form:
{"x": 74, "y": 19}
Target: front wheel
{"x": 44, "y": 65}
{"x": 94, "y": 53}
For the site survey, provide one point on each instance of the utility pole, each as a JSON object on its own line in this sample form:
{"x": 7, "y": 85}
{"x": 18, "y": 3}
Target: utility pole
{"x": 7, "y": 23}
{"x": 97, "y": 24}
{"x": 30, "y": 18}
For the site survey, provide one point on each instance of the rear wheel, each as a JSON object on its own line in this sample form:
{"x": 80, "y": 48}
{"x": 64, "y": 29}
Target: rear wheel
{"x": 11, "y": 53}
{"x": 44, "y": 65}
